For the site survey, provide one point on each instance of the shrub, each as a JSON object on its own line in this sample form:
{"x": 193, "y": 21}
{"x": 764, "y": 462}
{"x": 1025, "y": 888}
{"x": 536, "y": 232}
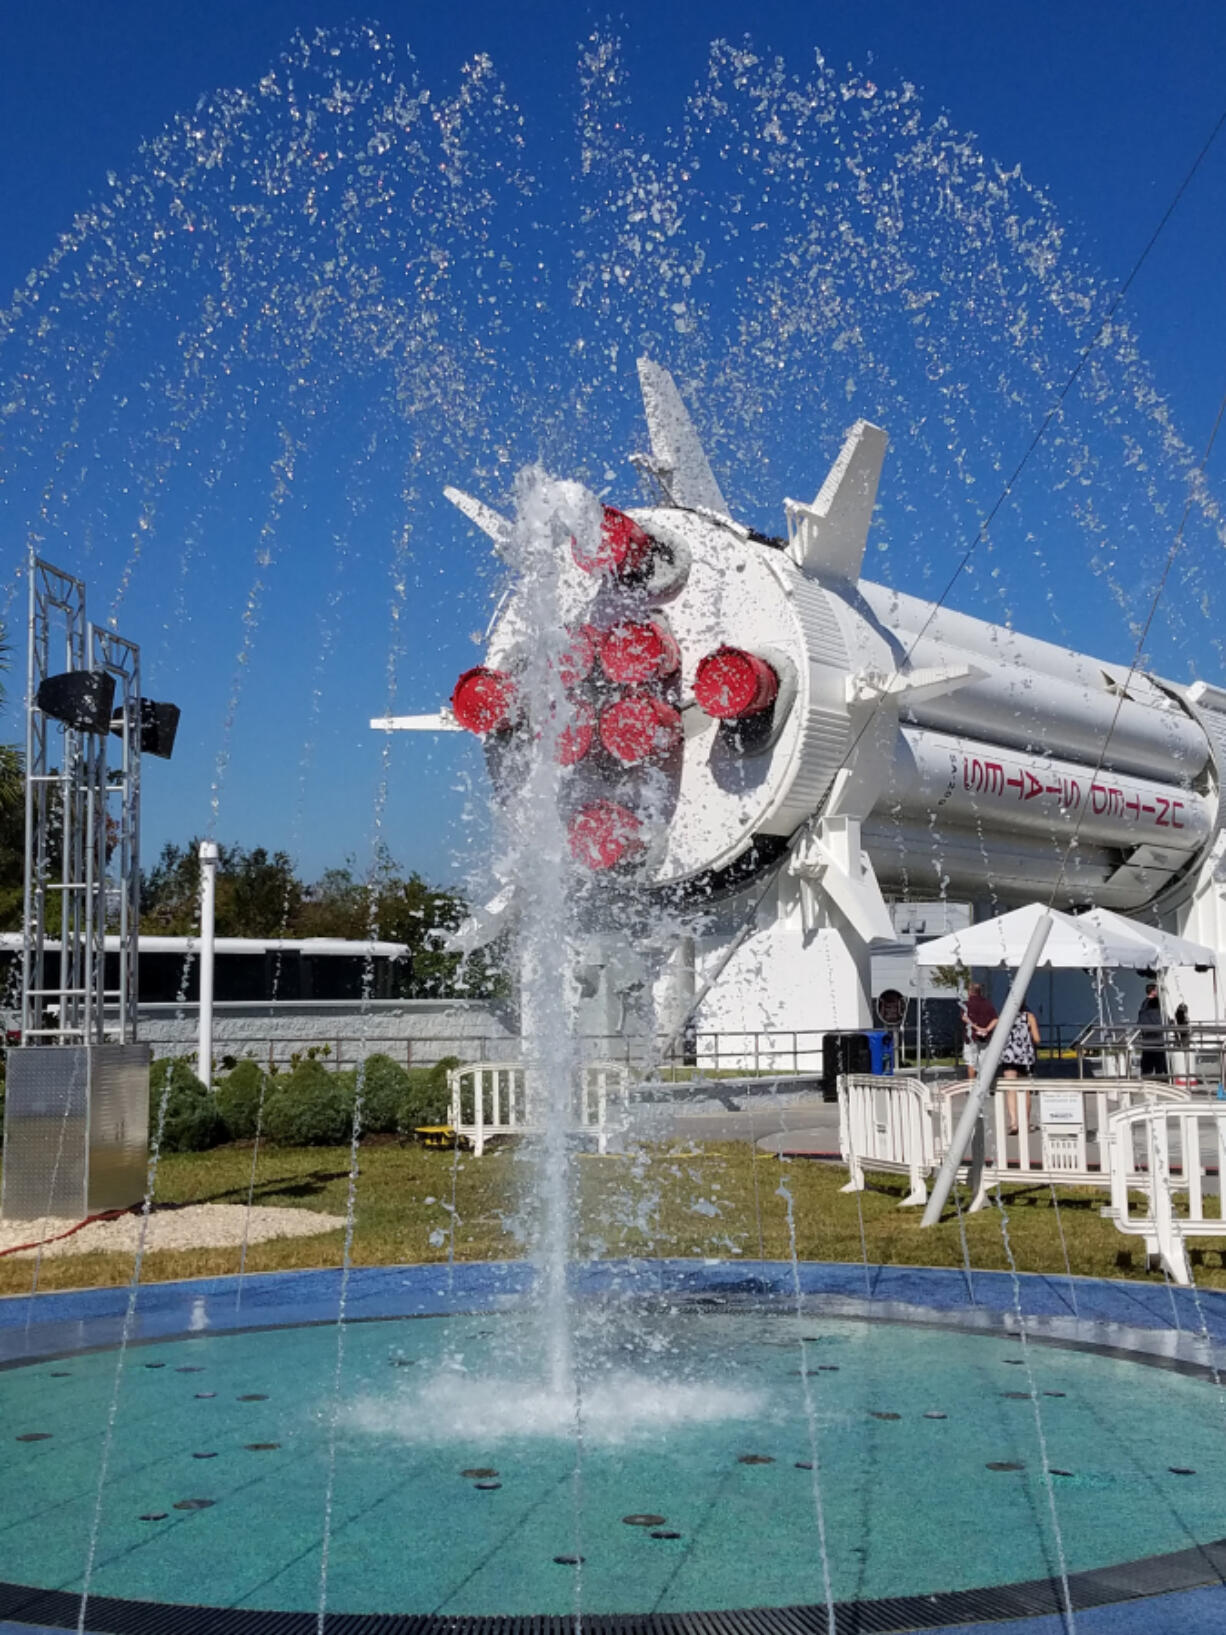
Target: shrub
{"x": 310, "y": 1107}
{"x": 192, "y": 1122}
{"x": 425, "y": 1097}
{"x": 384, "y": 1088}
{"x": 238, "y": 1099}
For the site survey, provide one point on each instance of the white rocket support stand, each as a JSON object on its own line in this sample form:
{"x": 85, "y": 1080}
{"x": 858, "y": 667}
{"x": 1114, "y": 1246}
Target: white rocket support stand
{"x": 208, "y": 900}
{"x": 971, "y": 1113}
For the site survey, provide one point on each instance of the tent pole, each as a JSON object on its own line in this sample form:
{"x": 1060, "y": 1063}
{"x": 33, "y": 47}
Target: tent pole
{"x": 919, "y": 1020}
{"x": 982, "y": 1085}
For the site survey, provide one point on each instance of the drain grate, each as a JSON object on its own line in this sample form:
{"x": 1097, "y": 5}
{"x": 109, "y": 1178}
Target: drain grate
{"x": 1200, "y": 1566}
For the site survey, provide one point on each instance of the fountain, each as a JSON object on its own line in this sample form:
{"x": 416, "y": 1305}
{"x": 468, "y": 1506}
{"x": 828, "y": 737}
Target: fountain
{"x": 329, "y": 262}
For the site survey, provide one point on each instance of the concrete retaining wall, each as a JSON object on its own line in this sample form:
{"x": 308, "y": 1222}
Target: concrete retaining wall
{"x": 415, "y": 1032}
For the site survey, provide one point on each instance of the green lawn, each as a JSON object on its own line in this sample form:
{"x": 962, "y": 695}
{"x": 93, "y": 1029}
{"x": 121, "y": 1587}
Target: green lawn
{"x": 720, "y": 1199}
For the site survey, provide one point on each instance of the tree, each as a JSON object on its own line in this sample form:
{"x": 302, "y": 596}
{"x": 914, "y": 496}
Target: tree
{"x": 402, "y": 908}
{"x": 258, "y": 893}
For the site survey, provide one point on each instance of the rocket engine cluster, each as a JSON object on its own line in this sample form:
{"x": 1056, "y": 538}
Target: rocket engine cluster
{"x": 745, "y": 708}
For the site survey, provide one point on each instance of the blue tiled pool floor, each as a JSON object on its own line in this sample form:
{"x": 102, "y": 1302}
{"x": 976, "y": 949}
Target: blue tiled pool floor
{"x": 919, "y": 1434}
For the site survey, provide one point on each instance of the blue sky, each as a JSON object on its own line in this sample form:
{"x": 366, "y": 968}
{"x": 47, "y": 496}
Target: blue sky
{"x": 270, "y": 579}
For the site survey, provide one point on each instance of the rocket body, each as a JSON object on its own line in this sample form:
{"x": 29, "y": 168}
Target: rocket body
{"x": 757, "y": 728}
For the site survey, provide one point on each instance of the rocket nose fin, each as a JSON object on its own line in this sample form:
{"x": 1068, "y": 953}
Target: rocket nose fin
{"x": 678, "y": 460}
{"x": 484, "y": 924}
{"x": 828, "y": 537}
{"x": 486, "y": 518}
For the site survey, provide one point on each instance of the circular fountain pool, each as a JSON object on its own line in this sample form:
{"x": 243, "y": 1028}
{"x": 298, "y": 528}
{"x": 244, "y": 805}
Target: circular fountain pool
{"x": 709, "y": 1440}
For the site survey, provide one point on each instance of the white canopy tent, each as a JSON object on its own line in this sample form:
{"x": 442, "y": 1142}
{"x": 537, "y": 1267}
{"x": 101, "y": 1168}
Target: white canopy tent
{"x": 1092, "y": 941}
{"x": 1167, "y": 950}
{"x": 1033, "y": 938}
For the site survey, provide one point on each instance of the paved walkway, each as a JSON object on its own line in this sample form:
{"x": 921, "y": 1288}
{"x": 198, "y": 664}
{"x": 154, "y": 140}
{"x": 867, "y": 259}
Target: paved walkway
{"x": 776, "y": 1123}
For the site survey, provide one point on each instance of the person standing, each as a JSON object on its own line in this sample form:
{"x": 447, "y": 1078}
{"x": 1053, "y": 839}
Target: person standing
{"x": 978, "y": 1019}
{"x": 1018, "y": 1057}
{"x": 1150, "y": 1038}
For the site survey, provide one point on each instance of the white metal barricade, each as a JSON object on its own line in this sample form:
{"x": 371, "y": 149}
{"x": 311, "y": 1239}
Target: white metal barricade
{"x": 1170, "y": 1142}
{"x": 1068, "y": 1115}
{"x": 901, "y": 1126}
{"x": 886, "y": 1123}
{"x": 499, "y": 1098}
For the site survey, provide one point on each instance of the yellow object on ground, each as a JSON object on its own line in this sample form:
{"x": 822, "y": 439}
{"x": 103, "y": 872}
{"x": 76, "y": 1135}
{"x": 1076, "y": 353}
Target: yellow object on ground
{"x": 439, "y": 1135}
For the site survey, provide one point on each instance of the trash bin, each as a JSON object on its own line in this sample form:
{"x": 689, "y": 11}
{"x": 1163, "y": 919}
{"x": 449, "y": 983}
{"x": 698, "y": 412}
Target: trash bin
{"x": 880, "y": 1050}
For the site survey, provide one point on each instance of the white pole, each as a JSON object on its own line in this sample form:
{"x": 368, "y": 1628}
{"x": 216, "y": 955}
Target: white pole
{"x": 943, "y": 1184}
{"x": 208, "y": 900}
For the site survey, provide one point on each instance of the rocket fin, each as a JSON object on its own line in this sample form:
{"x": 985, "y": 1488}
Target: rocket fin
{"x": 829, "y": 860}
{"x": 440, "y": 721}
{"x": 911, "y": 686}
{"x": 678, "y": 460}
{"x": 483, "y": 924}
{"x": 861, "y": 901}
{"x": 485, "y": 517}
{"x": 828, "y": 537}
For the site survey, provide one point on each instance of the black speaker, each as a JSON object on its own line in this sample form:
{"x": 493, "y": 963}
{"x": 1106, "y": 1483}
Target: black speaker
{"x": 158, "y": 725}
{"x": 81, "y": 699}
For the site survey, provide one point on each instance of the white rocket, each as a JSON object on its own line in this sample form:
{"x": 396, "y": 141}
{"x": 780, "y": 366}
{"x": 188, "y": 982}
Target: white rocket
{"x": 740, "y": 701}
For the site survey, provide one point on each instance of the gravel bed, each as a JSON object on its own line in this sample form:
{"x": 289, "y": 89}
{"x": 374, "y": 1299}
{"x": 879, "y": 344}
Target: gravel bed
{"x": 195, "y": 1226}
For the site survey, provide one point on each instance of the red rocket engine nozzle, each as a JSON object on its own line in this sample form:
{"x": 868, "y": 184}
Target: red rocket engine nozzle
{"x": 484, "y": 700}
{"x": 623, "y": 550}
{"x": 604, "y": 834}
{"x": 638, "y": 650}
{"x": 731, "y": 684}
{"x": 575, "y": 738}
{"x": 579, "y": 657}
{"x": 640, "y": 728}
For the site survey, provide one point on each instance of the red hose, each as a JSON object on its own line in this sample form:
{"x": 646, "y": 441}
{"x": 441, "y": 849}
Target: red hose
{"x": 104, "y": 1215}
